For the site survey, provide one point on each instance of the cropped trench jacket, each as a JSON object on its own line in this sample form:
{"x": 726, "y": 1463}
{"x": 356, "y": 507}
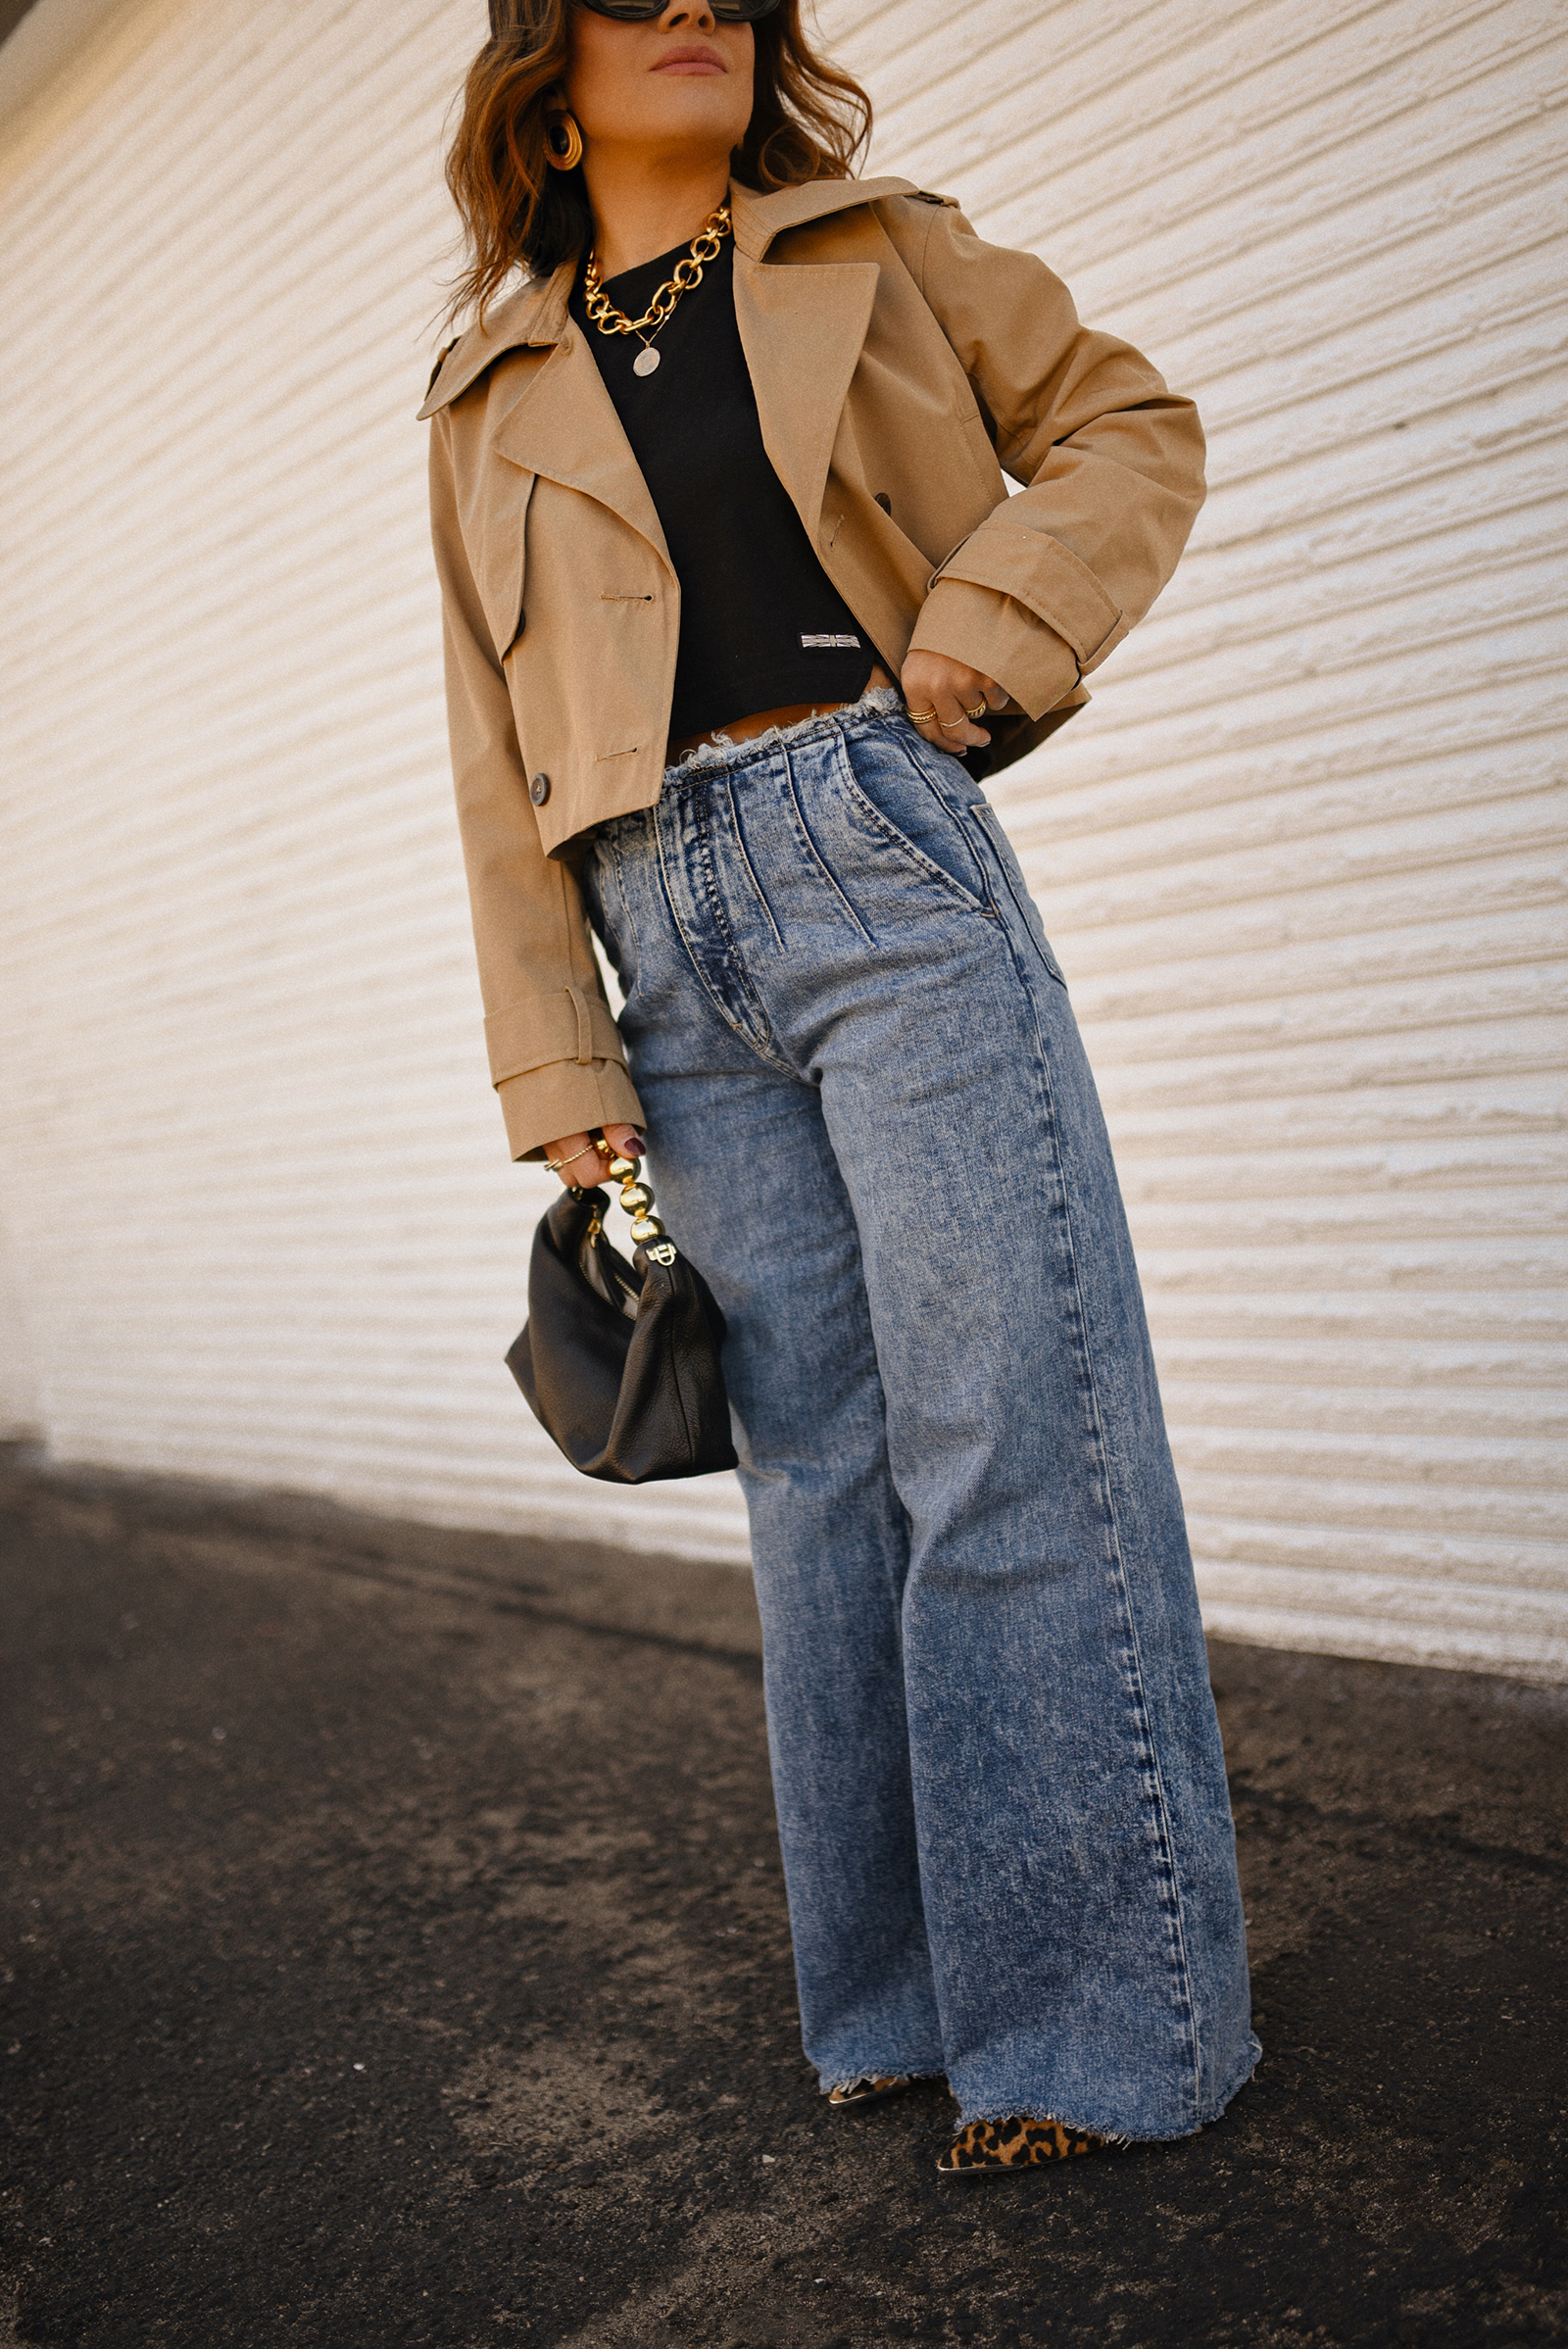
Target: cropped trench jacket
{"x": 902, "y": 367}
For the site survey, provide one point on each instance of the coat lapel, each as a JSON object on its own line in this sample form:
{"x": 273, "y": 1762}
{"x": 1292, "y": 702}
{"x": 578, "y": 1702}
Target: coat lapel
{"x": 532, "y": 314}
{"x": 563, "y": 425}
{"x": 801, "y": 329}
{"x": 565, "y": 428}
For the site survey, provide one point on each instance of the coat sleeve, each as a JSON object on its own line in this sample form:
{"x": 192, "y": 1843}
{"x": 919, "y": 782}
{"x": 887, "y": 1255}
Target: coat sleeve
{"x": 1112, "y": 464}
{"x": 556, "y": 1053}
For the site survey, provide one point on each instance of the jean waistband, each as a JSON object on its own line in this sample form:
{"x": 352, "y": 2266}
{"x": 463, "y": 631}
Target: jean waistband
{"x": 877, "y": 704}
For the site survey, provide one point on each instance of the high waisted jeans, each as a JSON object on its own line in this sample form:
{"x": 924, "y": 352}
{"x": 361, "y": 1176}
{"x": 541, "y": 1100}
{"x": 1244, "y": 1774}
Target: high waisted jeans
{"x": 1001, "y": 1793}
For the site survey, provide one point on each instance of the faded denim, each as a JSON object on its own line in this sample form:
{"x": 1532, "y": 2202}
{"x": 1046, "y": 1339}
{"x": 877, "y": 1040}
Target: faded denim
{"x": 1001, "y": 1793}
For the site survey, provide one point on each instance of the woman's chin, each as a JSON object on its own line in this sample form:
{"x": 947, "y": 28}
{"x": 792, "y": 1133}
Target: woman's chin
{"x": 679, "y": 111}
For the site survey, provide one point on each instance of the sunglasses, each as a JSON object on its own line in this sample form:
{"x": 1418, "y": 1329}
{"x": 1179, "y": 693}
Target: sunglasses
{"x": 642, "y": 12}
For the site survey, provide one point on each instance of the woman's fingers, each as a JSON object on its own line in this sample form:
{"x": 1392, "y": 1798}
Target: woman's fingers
{"x": 574, "y": 1159}
{"x": 948, "y": 701}
{"x": 579, "y": 1165}
{"x": 957, "y": 729}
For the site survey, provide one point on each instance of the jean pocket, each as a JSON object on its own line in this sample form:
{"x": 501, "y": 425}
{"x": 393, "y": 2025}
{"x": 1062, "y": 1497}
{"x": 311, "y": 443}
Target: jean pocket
{"x": 890, "y": 798}
{"x": 990, "y": 823}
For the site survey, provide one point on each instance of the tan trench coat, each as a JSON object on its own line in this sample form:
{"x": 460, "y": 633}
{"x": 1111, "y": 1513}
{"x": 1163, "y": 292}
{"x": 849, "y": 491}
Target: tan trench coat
{"x": 901, "y": 366}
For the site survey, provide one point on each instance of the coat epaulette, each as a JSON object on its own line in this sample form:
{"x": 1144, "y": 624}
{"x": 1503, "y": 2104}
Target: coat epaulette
{"x": 923, "y": 195}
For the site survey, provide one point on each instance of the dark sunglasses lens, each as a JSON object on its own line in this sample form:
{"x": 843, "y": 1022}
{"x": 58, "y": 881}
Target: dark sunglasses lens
{"x": 642, "y": 12}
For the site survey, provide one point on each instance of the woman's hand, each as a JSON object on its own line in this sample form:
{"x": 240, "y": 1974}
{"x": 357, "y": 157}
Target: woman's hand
{"x": 580, "y": 1166}
{"x": 950, "y": 692}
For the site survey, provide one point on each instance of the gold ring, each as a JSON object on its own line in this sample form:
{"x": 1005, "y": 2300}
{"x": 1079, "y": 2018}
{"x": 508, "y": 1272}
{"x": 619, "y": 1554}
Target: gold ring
{"x": 946, "y": 728}
{"x": 921, "y": 717}
{"x": 983, "y": 711}
{"x": 558, "y": 1165}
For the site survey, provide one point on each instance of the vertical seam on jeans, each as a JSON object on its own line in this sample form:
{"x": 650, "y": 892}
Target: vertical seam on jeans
{"x": 1168, "y": 1851}
{"x": 816, "y": 854}
{"x": 761, "y": 1044}
{"x": 735, "y": 965}
{"x": 623, "y": 893}
{"x": 740, "y": 843}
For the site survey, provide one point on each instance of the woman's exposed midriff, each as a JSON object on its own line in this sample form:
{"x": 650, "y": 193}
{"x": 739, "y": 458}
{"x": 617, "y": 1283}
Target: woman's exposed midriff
{"x": 744, "y": 729}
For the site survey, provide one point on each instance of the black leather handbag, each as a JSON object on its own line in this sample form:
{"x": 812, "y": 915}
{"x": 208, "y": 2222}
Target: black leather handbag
{"x": 619, "y": 1362}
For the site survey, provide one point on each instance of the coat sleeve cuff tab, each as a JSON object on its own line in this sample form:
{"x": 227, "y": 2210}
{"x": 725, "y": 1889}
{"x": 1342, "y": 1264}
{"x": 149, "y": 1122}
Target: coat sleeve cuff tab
{"x": 566, "y": 1025}
{"x": 585, "y": 1028}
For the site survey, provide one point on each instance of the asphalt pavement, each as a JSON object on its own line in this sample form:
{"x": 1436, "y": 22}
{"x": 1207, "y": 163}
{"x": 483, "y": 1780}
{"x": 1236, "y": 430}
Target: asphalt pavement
{"x": 395, "y": 1952}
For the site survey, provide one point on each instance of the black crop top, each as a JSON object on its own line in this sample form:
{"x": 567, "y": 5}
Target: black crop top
{"x": 755, "y": 603}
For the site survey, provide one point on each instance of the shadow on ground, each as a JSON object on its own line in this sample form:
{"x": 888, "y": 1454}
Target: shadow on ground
{"x": 396, "y": 1953}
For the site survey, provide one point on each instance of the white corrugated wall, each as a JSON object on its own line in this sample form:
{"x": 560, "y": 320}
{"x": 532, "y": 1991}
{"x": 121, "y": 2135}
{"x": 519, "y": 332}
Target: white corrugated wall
{"x": 1302, "y": 858}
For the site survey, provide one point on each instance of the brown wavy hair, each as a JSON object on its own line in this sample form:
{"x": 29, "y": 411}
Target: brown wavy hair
{"x": 808, "y": 121}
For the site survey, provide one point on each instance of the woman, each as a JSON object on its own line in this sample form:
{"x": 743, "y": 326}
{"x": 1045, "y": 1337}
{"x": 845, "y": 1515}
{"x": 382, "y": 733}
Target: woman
{"x": 725, "y": 466}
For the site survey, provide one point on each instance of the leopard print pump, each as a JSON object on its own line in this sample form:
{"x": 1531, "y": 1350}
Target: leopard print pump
{"x": 1015, "y": 2144}
{"x": 867, "y": 2090}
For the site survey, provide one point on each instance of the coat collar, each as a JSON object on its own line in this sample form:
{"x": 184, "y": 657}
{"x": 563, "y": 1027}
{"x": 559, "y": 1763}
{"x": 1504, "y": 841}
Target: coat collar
{"x": 759, "y": 219}
{"x": 535, "y": 316}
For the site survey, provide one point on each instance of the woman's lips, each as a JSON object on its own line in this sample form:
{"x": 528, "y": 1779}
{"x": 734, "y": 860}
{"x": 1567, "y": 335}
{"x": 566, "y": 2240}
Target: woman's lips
{"x": 691, "y": 61}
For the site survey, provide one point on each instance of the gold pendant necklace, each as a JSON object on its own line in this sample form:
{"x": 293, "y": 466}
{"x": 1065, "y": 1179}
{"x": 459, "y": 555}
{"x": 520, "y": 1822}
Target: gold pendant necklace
{"x": 688, "y": 272}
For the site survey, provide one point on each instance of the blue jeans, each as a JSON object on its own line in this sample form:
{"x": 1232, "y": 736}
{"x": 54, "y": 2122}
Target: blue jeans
{"x": 1000, "y": 1793}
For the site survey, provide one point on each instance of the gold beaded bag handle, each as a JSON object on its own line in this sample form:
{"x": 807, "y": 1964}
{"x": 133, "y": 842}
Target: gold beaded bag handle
{"x": 637, "y": 1199}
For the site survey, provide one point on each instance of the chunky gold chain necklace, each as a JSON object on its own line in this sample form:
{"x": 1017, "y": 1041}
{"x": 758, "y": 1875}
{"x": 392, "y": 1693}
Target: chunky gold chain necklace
{"x": 688, "y": 272}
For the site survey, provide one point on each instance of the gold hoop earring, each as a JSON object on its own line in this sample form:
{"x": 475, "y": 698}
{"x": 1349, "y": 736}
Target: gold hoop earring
{"x": 562, "y": 141}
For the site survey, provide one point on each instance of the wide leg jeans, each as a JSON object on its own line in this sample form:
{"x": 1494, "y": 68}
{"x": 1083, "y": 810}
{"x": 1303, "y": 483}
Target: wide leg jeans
{"x": 1001, "y": 1793}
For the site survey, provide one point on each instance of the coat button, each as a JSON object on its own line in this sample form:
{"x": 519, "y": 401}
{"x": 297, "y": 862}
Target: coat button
{"x": 884, "y": 501}
{"x": 539, "y": 790}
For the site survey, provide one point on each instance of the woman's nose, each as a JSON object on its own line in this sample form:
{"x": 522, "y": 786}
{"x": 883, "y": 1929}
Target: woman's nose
{"x": 691, "y": 16}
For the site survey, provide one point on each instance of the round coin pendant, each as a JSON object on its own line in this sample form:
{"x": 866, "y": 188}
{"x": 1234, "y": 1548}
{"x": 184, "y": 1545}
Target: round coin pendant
{"x": 644, "y": 363}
